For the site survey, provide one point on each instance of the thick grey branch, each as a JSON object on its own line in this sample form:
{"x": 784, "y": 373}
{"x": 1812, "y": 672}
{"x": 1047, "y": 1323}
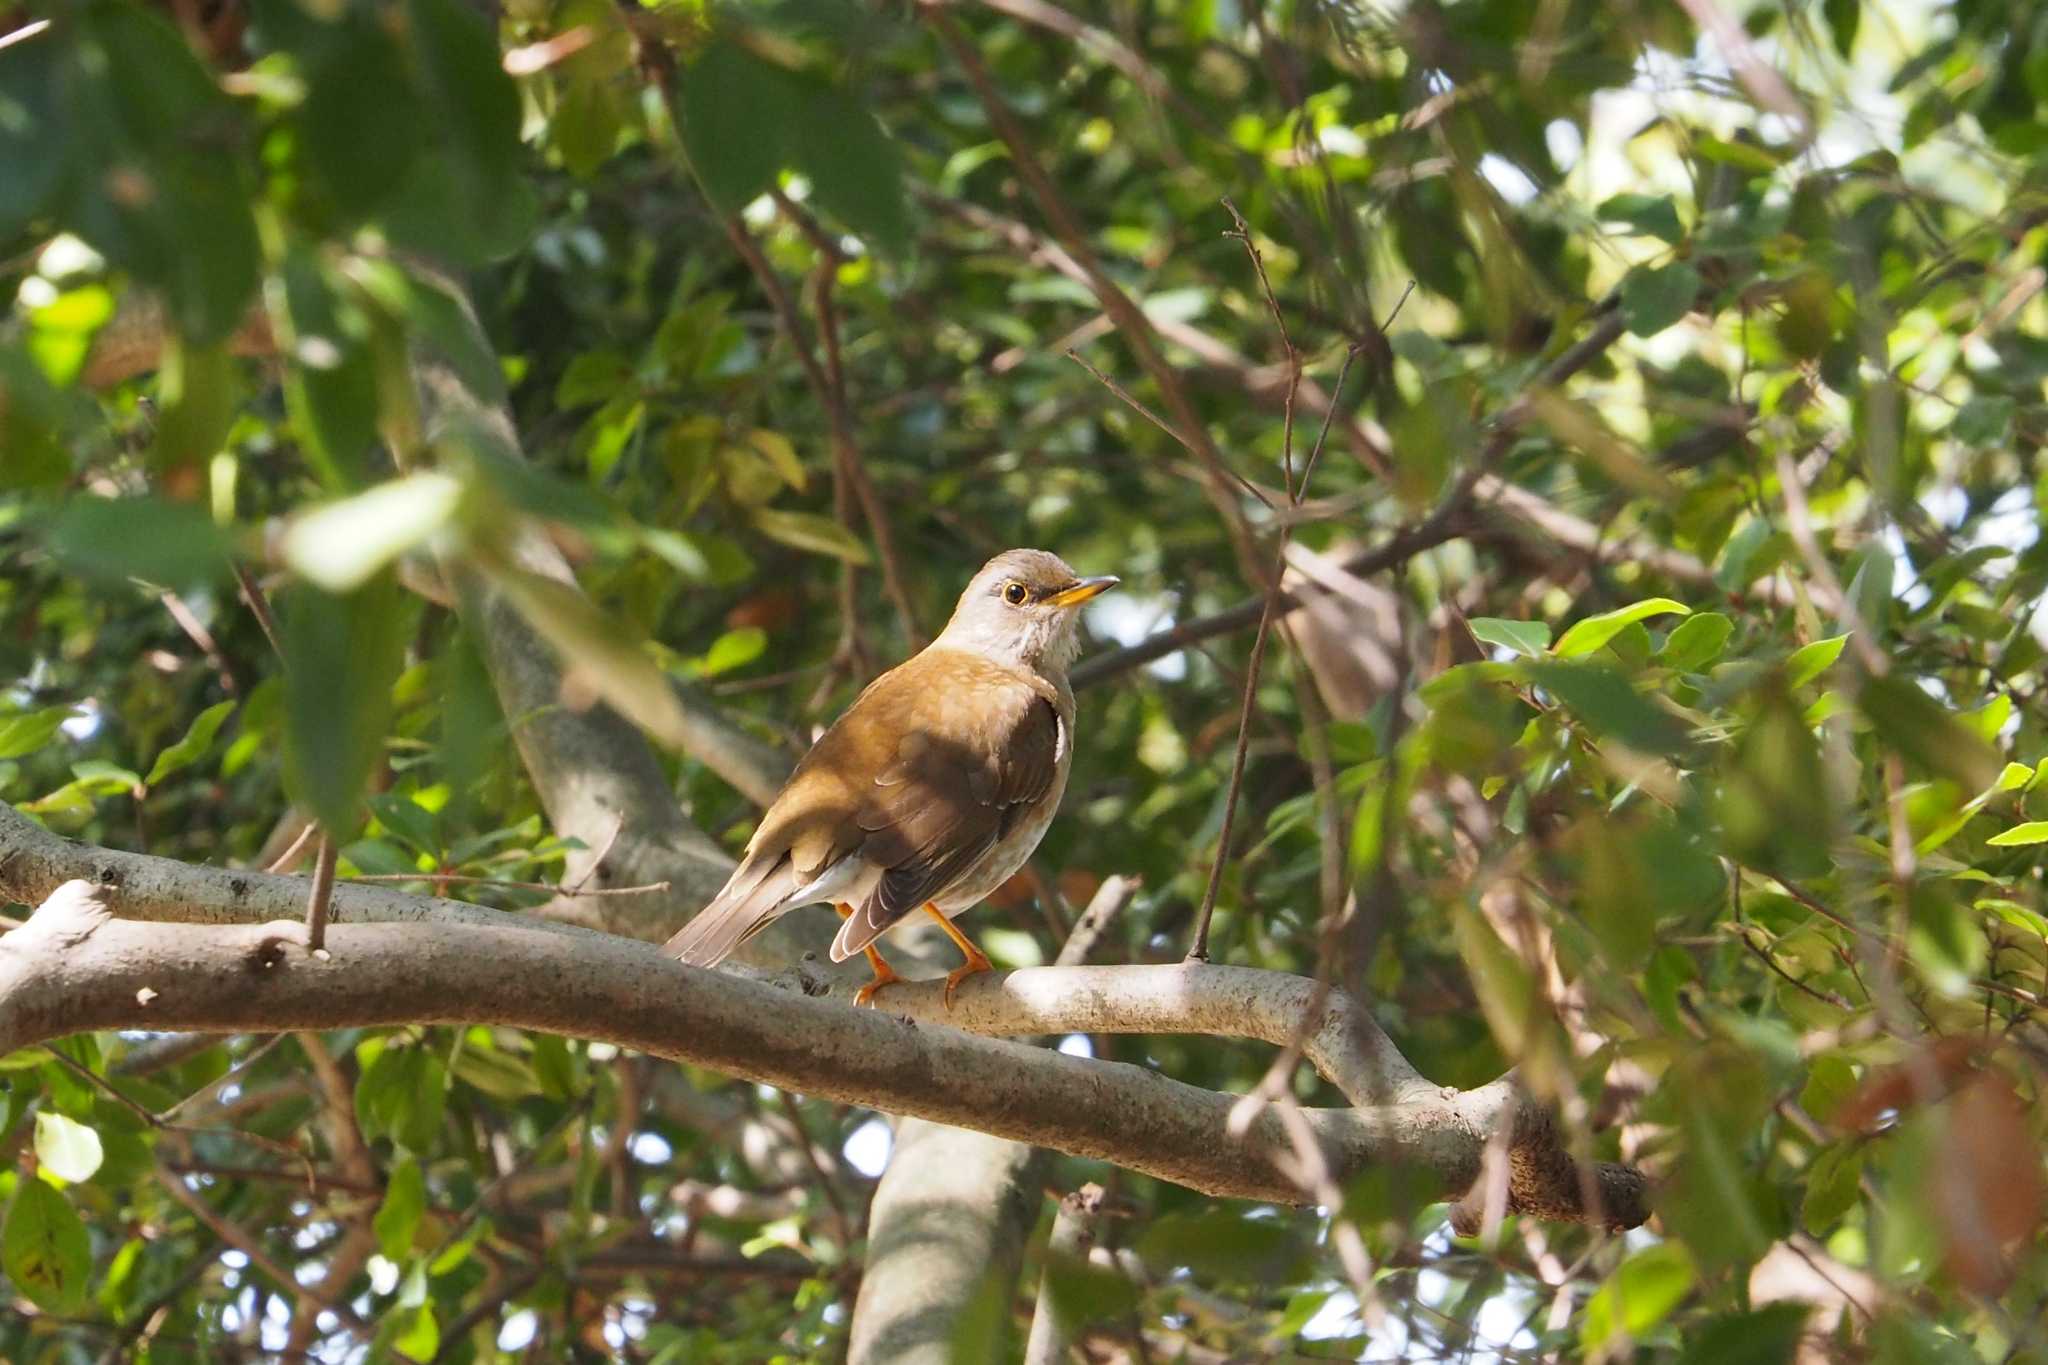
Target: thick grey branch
{"x": 73, "y": 969}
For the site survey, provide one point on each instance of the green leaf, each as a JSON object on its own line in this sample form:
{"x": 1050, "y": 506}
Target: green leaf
{"x": 198, "y": 738}
{"x": 1832, "y": 1186}
{"x": 44, "y": 1248}
{"x": 1696, "y": 642}
{"x": 67, "y": 1148}
{"x": 1654, "y": 299}
{"x": 34, "y": 129}
{"x": 1768, "y": 1336}
{"x": 734, "y": 649}
{"x": 1810, "y": 661}
{"x": 1829, "y": 1082}
{"x": 2032, "y": 832}
{"x": 342, "y": 654}
{"x": 30, "y": 731}
{"x": 398, "y": 1217}
{"x": 1639, "y": 1295}
{"x": 1844, "y": 18}
{"x": 1595, "y": 631}
{"x": 344, "y": 544}
{"x": 1527, "y": 638}
{"x": 809, "y": 531}
{"x": 1228, "y": 1245}
{"x": 855, "y": 168}
{"x": 1649, "y": 215}
{"x": 402, "y": 1094}
{"x": 1606, "y": 701}
{"x": 171, "y": 544}
{"x": 736, "y": 122}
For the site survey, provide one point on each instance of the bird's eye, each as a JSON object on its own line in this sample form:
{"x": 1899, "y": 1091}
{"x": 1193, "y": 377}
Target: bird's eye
{"x": 1014, "y": 593}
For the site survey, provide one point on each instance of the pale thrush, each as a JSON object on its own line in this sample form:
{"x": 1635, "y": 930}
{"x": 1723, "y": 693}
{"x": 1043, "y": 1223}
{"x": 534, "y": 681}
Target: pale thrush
{"x": 932, "y": 789}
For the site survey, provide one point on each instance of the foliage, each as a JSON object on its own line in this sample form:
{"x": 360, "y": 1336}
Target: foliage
{"x": 1699, "y": 772}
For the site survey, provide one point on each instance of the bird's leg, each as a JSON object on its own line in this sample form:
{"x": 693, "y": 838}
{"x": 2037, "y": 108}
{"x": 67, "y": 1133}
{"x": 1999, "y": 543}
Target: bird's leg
{"x": 977, "y": 961}
{"x": 884, "y": 973}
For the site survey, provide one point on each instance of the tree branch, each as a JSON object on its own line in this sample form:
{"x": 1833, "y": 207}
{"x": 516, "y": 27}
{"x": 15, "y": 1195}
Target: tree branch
{"x": 74, "y": 968}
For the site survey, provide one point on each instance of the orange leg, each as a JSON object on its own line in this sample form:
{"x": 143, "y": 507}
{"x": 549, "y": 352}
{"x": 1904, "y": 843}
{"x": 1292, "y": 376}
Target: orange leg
{"x": 884, "y": 973}
{"x": 977, "y": 961}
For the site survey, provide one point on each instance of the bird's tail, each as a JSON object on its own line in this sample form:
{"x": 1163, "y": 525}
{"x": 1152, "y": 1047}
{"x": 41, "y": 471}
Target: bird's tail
{"x": 749, "y": 902}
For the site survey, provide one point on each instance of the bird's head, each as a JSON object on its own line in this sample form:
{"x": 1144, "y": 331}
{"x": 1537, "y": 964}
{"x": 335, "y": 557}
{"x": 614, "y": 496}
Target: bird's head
{"x": 1023, "y": 609}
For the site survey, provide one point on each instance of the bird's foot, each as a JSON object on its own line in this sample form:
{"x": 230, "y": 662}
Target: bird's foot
{"x": 885, "y": 975}
{"x": 973, "y": 966}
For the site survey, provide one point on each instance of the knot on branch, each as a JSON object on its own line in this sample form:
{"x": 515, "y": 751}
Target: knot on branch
{"x": 1534, "y": 1173}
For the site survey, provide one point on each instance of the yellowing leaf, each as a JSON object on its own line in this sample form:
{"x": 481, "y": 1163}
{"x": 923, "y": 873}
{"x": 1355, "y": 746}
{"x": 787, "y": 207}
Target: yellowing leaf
{"x": 775, "y": 448}
{"x": 809, "y": 531}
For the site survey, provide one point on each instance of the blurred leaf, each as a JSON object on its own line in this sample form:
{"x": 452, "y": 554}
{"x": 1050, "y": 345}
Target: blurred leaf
{"x": 2030, "y": 832}
{"x": 198, "y": 739}
{"x": 1649, "y": 215}
{"x": 170, "y": 544}
{"x": 808, "y": 531}
{"x": 1654, "y": 299}
{"x": 402, "y": 1095}
{"x": 1832, "y": 1187}
{"x": 1605, "y": 700}
{"x": 597, "y": 653}
{"x": 1639, "y": 1295}
{"x": 44, "y": 1248}
{"x": 30, "y": 731}
{"x": 344, "y": 544}
{"x": 1226, "y": 1244}
{"x": 1767, "y": 1336}
{"x": 1987, "y": 1184}
{"x": 33, "y": 131}
{"x": 1925, "y": 732}
{"x": 855, "y": 169}
{"x": 341, "y": 655}
{"x": 1696, "y": 642}
{"x": 398, "y": 1217}
{"x": 737, "y": 122}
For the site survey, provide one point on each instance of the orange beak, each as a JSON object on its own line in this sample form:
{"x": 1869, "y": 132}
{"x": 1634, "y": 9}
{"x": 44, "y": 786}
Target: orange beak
{"x": 1083, "y": 590}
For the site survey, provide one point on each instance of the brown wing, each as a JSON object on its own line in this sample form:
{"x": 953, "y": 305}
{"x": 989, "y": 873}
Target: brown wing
{"x": 982, "y": 748}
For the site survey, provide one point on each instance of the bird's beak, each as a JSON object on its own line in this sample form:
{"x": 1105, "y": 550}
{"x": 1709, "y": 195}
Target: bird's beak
{"x": 1083, "y": 590}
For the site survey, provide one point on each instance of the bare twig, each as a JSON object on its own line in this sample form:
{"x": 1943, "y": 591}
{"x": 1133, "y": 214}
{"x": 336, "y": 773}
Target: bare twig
{"x": 318, "y": 899}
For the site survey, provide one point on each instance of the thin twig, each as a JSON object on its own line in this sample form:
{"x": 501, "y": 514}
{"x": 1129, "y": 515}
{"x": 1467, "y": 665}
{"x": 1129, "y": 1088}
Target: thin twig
{"x": 1187, "y": 443}
{"x": 252, "y": 594}
{"x": 322, "y": 893}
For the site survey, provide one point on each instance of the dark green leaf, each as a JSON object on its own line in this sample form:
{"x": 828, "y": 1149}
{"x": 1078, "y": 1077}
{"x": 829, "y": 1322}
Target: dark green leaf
{"x": 738, "y": 117}
{"x": 856, "y": 171}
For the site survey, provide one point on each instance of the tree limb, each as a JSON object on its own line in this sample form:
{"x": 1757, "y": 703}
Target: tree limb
{"x": 74, "y": 968}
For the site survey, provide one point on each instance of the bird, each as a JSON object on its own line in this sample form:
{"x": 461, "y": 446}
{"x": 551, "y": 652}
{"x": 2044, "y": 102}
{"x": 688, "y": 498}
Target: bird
{"x": 932, "y": 789}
